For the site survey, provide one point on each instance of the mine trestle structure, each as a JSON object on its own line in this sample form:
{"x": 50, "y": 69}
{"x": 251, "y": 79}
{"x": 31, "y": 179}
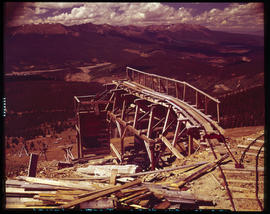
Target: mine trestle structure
{"x": 163, "y": 115}
{"x": 151, "y": 108}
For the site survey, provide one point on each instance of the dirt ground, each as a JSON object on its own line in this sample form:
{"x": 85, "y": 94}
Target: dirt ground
{"x": 210, "y": 185}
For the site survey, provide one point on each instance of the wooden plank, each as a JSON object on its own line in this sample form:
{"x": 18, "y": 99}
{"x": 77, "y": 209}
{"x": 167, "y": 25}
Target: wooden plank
{"x": 252, "y": 139}
{"x": 101, "y": 194}
{"x": 147, "y": 194}
{"x": 40, "y": 187}
{"x": 165, "y": 170}
{"x": 113, "y": 176}
{"x": 116, "y": 152}
{"x": 103, "y": 203}
{"x": 243, "y": 181}
{"x": 242, "y": 189}
{"x": 171, "y": 148}
{"x": 32, "y": 167}
{"x": 246, "y": 196}
{"x": 252, "y": 147}
{"x": 163, "y": 205}
{"x": 199, "y": 172}
{"x": 141, "y": 192}
{"x": 69, "y": 184}
{"x": 246, "y": 168}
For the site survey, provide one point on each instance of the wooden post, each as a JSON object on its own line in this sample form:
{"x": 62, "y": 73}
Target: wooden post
{"x": 144, "y": 77}
{"x": 149, "y": 132}
{"x": 167, "y": 86}
{"x": 176, "y": 132}
{"x": 176, "y": 90}
{"x": 79, "y": 143}
{"x": 190, "y": 145}
{"x": 136, "y": 116}
{"x": 218, "y": 119}
{"x": 205, "y": 104}
{"x": 167, "y": 119}
{"x": 123, "y": 110}
{"x": 32, "y": 167}
{"x": 184, "y": 92}
{"x": 159, "y": 85}
{"x": 113, "y": 176}
{"x": 196, "y": 99}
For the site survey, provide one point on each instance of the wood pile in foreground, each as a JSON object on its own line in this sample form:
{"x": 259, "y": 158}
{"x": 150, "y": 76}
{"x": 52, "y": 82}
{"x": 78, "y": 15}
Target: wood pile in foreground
{"x": 117, "y": 187}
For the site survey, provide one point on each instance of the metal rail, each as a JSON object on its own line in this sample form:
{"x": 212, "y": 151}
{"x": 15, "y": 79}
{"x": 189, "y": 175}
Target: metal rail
{"x": 257, "y": 178}
{"x": 246, "y": 149}
{"x": 159, "y": 83}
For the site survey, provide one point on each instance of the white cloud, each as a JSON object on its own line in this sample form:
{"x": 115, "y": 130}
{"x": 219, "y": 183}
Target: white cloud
{"x": 238, "y": 16}
{"x": 55, "y": 5}
{"x": 40, "y": 11}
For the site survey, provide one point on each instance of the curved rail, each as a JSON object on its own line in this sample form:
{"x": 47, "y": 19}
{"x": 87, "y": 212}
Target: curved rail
{"x": 246, "y": 149}
{"x": 257, "y": 178}
{"x": 208, "y": 125}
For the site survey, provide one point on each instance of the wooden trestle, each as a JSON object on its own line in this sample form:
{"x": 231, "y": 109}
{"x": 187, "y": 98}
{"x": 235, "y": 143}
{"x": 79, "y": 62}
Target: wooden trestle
{"x": 162, "y": 122}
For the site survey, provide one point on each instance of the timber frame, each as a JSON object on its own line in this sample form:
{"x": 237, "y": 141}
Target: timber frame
{"x": 158, "y": 111}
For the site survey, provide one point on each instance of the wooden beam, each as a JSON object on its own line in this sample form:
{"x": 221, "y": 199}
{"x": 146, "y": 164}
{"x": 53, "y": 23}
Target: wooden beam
{"x": 190, "y": 145}
{"x": 166, "y": 119}
{"x": 177, "y": 129}
{"x": 252, "y": 147}
{"x": 149, "y": 132}
{"x": 165, "y": 170}
{"x": 199, "y": 172}
{"x": 101, "y": 194}
{"x": 32, "y": 167}
{"x": 130, "y": 128}
{"x": 116, "y": 152}
{"x": 136, "y": 116}
{"x": 171, "y": 147}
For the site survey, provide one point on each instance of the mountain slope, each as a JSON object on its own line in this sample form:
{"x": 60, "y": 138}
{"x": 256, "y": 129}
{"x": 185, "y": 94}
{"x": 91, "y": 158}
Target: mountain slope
{"x": 187, "y": 52}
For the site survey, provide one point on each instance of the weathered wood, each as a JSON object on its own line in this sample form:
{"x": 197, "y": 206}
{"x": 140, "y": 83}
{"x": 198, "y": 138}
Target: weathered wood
{"x": 143, "y": 203}
{"x": 105, "y": 170}
{"x": 116, "y": 152}
{"x": 141, "y": 192}
{"x": 243, "y": 181}
{"x": 251, "y": 147}
{"x": 113, "y": 176}
{"x": 199, "y": 172}
{"x": 137, "y": 198}
{"x": 163, "y": 205}
{"x": 101, "y": 194}
{"x": 190, "y": 145}
{"x": 165, "y": 170}
{"x": 69, "y": 184}
{"x": 246, "y": 168}
{"x": 170, "y": 147}
{"x": 180, "y": 200}
{"x": 103, "y": 203}
{"x": 32, "y": 167}
{"x": 252, "y": 139}
{"x": 246, "y": 196}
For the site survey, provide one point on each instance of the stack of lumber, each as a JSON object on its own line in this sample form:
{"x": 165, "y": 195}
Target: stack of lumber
{"x": 32, "y": 192}
{"x": 123, "y": 187}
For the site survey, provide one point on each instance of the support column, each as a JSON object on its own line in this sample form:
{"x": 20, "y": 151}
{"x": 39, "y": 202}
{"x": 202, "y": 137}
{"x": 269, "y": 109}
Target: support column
{"x": 190, "y": 145}
{"x": 149, "y": 132}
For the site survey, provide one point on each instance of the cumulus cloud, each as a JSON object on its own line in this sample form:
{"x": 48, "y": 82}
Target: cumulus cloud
{"x": 124, "y": 14}
{"x": 235, "y": 16}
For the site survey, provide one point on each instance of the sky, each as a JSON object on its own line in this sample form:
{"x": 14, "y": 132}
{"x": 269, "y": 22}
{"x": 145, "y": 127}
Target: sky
{"x": 230, "y": 17}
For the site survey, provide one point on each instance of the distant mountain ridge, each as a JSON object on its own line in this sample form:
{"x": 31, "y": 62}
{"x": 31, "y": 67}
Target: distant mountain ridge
{"x": 182, "y": 51}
